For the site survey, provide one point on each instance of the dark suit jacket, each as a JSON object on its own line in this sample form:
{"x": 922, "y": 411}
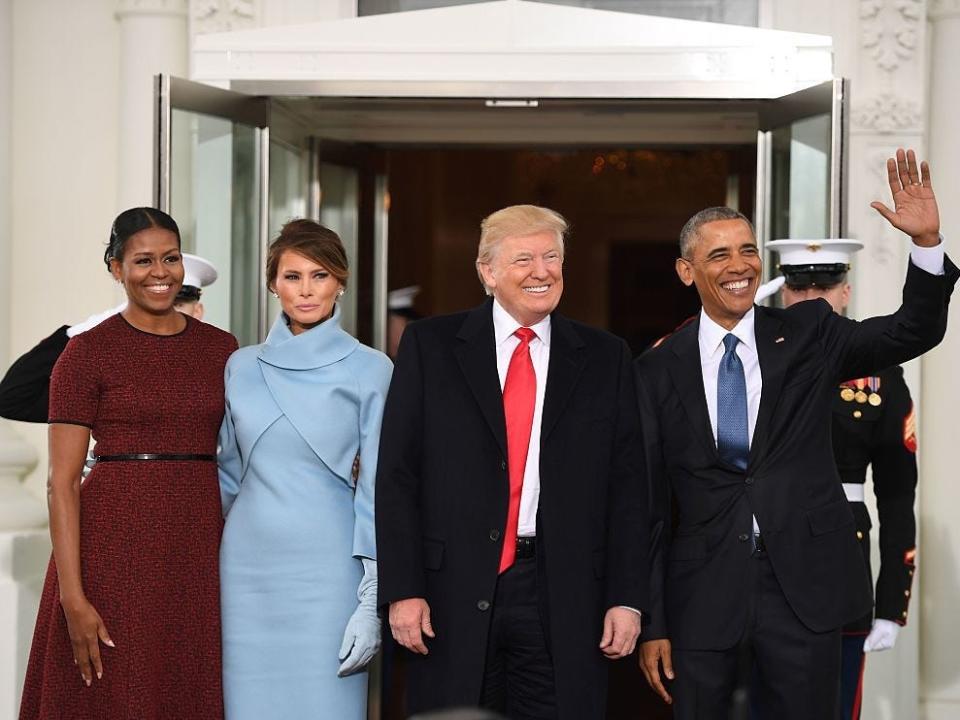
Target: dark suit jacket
{"x": 699, "y": 568}
{"x": 442, "y": 491}
{"x": 25, "y": 389}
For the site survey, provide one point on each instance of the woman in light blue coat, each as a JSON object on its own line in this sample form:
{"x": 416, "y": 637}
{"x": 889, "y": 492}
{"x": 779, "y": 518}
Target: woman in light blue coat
{"x": 298, "y": 455}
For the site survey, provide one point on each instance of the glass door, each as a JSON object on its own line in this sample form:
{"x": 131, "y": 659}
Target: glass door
{"x": 801, "y": 164}
{"x": 211, "y": 175}
{"x": 233, "y": 168}
{"x": 291, "y": 185}
{"x": 353, "y": 199}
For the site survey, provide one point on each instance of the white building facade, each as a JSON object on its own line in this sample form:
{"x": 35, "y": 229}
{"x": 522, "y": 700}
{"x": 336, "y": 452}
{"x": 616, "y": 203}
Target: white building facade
{"x": 77, "y": 144}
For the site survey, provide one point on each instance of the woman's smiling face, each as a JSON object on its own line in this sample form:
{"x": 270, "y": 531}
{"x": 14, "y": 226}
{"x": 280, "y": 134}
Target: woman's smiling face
{"x": 151, "y": 269}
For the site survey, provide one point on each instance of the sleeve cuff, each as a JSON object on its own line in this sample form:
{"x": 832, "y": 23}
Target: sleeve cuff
{"x": 928, "y": 259}
{"x": 631, "y": 609}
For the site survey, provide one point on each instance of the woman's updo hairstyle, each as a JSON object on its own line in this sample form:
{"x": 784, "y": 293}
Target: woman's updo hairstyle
{"x": 132, "y": 221}
{"x": 315, "y": 242}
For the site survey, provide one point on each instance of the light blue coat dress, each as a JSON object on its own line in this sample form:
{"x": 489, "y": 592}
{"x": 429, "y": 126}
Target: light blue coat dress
{"x": 299, "y": 410}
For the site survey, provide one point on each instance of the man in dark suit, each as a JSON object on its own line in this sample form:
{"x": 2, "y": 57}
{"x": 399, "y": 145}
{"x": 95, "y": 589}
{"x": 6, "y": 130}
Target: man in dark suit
{"x": 762, "y": 567}
{"x": 511, "y": 517}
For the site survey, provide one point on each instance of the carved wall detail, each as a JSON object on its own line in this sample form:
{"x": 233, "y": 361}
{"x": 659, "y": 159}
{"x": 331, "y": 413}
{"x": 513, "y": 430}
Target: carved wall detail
{"x": 887, "y": 113}
{"x": 211, "y": 16}
{"x": 889, "y": 30}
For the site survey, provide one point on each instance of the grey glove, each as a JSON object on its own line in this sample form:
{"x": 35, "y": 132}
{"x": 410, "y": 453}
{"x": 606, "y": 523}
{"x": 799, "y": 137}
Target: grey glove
{"x": 361, "y": 639}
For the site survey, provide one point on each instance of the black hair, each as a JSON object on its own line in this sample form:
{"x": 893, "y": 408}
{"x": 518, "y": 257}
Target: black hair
{"x": 132, "y": 221}
{"x": 690, "y": 233}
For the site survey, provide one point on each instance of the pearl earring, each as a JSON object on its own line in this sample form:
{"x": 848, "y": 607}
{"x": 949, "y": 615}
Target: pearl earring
{"x": 340, "y": 292}
{"x": 275, "y": 295}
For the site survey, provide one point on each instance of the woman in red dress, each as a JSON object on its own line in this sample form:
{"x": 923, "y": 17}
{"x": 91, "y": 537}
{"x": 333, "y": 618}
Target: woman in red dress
{"x": 129, "y": 619}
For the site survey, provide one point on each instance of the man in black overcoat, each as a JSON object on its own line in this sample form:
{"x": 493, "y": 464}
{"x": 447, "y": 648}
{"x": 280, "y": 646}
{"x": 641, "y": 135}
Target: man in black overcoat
{"x": 511, "y": 510}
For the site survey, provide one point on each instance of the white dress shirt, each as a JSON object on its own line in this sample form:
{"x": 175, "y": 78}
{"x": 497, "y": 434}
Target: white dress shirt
{"x": 504, "y": 327}
{"x": 711, "y": 353}
{"x": 929, "y": 259}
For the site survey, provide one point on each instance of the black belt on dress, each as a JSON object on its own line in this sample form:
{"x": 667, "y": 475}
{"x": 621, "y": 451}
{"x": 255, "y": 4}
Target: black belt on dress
{"x": 184, "y": 457}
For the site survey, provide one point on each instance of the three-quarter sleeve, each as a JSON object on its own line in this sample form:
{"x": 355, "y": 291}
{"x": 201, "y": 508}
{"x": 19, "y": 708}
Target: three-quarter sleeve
{"x": 75, "y": 385}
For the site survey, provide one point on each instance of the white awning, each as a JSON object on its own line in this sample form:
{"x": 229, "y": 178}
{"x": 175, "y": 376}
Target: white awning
{"x": 514, "y": 49}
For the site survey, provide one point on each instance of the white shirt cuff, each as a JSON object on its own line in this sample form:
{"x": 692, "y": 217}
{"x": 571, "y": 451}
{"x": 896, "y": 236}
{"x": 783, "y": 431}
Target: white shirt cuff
{"x": 627, "y": 607}
{"x": 929, "y": 259}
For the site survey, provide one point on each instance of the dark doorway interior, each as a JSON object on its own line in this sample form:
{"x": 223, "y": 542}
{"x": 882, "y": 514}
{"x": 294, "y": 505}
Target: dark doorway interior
{"x": 625, "y": 207}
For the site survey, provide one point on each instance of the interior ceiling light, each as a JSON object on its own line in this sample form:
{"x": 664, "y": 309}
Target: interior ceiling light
{"x": 512, "y": 103}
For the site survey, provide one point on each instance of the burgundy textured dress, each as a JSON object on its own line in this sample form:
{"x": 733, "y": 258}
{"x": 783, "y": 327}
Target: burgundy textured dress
{"x": 149, "y": 530}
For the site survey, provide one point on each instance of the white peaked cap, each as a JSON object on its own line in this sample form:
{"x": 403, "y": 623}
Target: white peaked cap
{"x": 815, "y": 251}
{"x": 402, "y": 298}
{"x": 198, "y": 272}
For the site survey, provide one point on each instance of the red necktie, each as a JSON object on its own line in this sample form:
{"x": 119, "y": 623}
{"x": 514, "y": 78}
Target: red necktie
{"x": 519, "y": 398}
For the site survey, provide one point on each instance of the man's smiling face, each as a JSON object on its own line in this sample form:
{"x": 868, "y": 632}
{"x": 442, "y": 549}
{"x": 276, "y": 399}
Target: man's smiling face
{"x": 725, "y": 266}
{"x": 526, "y": 276}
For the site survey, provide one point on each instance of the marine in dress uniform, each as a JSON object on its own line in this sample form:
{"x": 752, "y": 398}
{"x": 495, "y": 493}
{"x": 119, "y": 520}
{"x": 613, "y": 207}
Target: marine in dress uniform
{"x": 873, "y": 425}
{"x": 25, "y": 388}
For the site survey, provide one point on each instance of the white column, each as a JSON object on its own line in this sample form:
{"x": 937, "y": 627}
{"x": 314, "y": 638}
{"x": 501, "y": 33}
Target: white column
{"x": 153, "y": 39}
{"x": 23, "y": 541}
{"x": 940, "y": 497}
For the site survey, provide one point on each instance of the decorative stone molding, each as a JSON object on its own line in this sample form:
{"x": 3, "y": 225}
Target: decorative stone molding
{"x": 942, "y": 9}
{"x": 126, "y": 8}
{"x": 886, "y": 114}
{"x": 212, "y": 16}
{"x": 889, "y": 30}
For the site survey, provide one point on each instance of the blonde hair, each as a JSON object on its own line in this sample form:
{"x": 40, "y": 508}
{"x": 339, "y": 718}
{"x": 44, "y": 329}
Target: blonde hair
{"x": 517, "y": 221}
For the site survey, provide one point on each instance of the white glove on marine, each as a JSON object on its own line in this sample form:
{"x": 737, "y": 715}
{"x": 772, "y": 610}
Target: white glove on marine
{"x": 883, "y": 636}
{"x": 94, "y": 320}
{"x": 361, "y": 639}
{"x": 769, "y": 288}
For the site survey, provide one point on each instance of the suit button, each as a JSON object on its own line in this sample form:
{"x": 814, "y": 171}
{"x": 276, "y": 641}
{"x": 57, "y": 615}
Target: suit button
{"x": 749, "y": 480}
{"x": 494, "y": 535}
{"x": 483, "y": 606}
{"x": 743, "y": 537}
{"x": 503, "y": 464}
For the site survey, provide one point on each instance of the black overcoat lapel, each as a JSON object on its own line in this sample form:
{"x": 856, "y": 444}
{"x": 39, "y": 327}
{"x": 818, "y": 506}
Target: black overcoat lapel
{"x": 477, "y": 355}
{"x": 567, "y": 360}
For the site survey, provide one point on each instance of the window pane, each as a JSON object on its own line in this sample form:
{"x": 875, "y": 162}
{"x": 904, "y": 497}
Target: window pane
{"x": 215, "y": 202}
{"x": 737, "y": 12}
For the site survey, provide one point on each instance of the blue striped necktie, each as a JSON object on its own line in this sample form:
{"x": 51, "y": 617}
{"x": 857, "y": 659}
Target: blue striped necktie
{"x": 733, "y": 439}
